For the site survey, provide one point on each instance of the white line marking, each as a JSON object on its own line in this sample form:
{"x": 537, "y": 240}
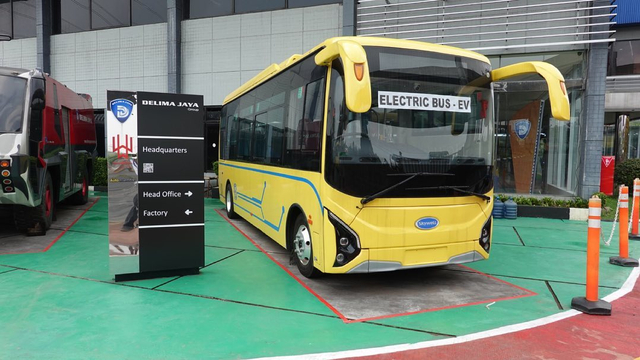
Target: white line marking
{"x": 173, "y": 182}
{"x": 168, "y": 226}
{"x": 625, "y": 289}
{"x": 172, "y": 137}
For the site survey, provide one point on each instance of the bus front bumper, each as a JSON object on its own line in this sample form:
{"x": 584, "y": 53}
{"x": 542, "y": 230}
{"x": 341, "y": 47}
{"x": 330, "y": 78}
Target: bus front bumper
{"x": 379, "y": 261}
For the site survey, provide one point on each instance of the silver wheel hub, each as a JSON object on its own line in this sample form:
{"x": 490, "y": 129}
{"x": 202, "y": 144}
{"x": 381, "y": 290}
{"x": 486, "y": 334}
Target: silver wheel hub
{"x": 228, "y": 201}
{"x": 302, "y": 245}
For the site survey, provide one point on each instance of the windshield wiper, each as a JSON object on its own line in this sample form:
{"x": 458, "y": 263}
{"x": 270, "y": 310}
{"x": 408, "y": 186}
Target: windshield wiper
{"x": 455, "y": 188}
{"x": 367, "y": 199}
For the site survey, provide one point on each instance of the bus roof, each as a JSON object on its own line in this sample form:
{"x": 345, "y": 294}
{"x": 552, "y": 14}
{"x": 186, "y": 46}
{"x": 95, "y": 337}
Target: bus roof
{"x": 274, "y": 69}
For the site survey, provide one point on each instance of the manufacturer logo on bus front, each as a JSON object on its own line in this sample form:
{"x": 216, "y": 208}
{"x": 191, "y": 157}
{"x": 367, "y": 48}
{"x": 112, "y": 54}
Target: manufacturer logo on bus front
{"x": 427, "y": 223}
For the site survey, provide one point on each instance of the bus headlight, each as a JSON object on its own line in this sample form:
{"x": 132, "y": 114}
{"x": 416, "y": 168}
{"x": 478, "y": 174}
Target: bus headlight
{"x": 347, "y": 241}
{"x": 485, "y": 236}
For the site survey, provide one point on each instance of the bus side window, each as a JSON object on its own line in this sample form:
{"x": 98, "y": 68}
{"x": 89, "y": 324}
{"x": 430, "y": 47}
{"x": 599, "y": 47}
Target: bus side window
{"x": 260, "y": 138}
{"x": 275, "y": 135}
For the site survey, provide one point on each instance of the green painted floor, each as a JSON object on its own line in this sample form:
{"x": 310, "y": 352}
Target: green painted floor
{"x": 62, "y": 304}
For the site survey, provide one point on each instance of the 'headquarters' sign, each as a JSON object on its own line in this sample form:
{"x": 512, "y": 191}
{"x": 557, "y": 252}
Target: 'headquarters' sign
{"x": 156, "y": 208}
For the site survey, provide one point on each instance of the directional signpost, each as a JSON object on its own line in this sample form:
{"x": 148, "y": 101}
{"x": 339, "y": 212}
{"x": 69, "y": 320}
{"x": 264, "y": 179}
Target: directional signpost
{"x": 170, "y": 206}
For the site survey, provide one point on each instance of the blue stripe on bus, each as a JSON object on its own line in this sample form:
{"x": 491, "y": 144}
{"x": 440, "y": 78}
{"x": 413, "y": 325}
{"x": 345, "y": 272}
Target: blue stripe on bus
{"x": 265, "y": 221}
{"x": 296, "y": 178}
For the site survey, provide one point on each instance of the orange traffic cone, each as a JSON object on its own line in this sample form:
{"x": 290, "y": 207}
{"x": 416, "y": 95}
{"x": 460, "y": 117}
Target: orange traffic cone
{"x": 591, "y": 304}
{"x": 624, "y": 259}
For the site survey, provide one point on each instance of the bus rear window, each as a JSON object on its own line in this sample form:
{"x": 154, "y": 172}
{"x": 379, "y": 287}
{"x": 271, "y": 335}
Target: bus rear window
{"x": 12, "y": 98}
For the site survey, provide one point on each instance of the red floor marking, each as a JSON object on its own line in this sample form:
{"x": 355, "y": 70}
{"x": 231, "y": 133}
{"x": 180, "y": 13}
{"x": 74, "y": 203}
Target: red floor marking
{"x": 70, "y": 225}
{"x": 578, "y": 337}
{"x": 335, "y": 311}
{"x": 349, "y": 321}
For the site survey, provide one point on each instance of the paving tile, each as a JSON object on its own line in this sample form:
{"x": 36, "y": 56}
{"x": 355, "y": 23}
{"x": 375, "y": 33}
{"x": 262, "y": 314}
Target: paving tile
{"x": 250, "y": 277}
{"x": 548, "y": 264}
{"x": 79, "y": 319}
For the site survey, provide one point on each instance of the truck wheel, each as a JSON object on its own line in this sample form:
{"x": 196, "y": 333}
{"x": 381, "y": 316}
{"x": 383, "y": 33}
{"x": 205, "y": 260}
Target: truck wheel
{"x": 302, "y": 249}
{"x": 228, "y": 200}
{"x": 37, "y": 220}
{"x": 82, "y": 196}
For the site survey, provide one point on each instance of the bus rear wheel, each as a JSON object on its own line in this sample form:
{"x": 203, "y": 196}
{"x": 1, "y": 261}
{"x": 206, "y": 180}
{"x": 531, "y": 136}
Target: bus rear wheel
{"x": 228, "y": 201}
{"x": 302, "y": 247}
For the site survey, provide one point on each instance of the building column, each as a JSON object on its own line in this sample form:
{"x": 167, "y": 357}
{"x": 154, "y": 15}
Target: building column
{"x": 174, "y": 19}
{"x": 592, "y": 121}
{"x": 349, "y": 17}
{"x": 43, "y": 34}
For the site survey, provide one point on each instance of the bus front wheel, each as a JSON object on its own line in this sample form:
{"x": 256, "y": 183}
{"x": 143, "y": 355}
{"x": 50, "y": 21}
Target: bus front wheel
{"x": 228, "y": 200}
{"x": 301, "y": 247}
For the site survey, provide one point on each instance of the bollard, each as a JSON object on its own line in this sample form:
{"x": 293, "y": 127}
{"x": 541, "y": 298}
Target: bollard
{"x": 591, "y": 304}
{"x": 635, "y": 213}
{"x": 624, "y": 259}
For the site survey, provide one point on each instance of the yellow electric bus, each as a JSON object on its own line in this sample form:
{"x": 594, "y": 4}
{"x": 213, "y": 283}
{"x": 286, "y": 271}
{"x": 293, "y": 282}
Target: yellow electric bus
{"x": 369, "y": 154}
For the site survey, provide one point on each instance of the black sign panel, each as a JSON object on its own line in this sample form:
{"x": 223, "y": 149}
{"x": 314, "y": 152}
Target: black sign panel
{"x": 170, "y": 159}
{"x": 170, "y": 204}
{"x": 170, "y": 114}
{"x": 174, "y": 248}
{"x": 170, "y": 175}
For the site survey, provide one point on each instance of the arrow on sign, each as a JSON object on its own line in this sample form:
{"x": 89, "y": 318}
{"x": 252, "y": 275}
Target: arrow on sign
{"x": 188, "y": 193}
{"x": 188, "y": 212}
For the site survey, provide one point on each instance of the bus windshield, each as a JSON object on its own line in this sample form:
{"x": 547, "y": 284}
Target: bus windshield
{"x": 12, "y": 97}
{"x": 431, "y": 115}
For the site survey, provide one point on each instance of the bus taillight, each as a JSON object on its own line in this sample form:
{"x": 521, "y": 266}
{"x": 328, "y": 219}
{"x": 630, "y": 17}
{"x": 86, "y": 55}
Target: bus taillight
{"x": 4, "y": 164}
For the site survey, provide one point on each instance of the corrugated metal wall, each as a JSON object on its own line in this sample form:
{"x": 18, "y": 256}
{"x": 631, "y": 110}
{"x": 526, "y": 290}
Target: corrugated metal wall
{"x": 628, "y": 12}
{"x": 489, "y": 24}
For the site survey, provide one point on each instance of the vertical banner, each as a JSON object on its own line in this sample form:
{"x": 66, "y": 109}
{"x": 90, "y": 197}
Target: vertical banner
{"x": 156, "y": 221}
{"x": 122, "y": 151}
{"x": 524, "y": 144}
{"x": 607, "y": 168}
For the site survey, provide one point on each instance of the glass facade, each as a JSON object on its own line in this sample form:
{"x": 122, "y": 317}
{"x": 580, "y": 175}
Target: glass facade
{"x": 624, "y": 58}
{"x": 536, "y": 154}
{"x": 71, "y": 16}
{"x": 110, "y": 13}
{"x": 18, "y": 18}
{"x": 196, "y": 9}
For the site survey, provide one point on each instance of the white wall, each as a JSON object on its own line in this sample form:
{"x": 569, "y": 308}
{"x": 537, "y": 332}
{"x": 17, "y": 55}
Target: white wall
{"x": 129, "y": 58}
{"x": 219, "y": 54}
{"x": 19, "y": 53}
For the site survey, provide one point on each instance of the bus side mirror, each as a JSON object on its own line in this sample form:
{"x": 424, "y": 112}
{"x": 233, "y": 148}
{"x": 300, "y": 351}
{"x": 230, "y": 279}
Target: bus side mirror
{"x": 37, "y": 97}
{"x": 37, "y": 102}
{"x": 357, "y": 86}
{"x": 555, "y": 83}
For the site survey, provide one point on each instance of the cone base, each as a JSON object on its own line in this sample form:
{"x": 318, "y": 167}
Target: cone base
{"x": 626, "y": 262}
{"x": 599, "y": 307}
{"x": 634, "y": 237}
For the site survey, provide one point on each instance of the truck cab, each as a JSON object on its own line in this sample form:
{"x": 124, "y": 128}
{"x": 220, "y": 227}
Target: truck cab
{"x": 47, "y": 147}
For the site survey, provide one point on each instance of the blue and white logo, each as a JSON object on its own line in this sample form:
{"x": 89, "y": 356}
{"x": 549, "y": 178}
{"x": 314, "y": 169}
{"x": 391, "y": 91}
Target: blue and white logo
{"x": 522, "y": 128}
{"x": 427, "y": 223}
{"x": 121, "y": 108}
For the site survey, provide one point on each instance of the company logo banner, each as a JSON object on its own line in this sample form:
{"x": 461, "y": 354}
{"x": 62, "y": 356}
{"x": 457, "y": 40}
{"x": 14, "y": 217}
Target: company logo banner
{"x": 121, "y": 109}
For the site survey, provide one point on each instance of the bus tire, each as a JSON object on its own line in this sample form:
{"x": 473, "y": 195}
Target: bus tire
{"x": 81, "y": 197}
{"x": 37, "y": 220}
{"x": 302, "y": 247}
{"x": 228, "y": 201}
